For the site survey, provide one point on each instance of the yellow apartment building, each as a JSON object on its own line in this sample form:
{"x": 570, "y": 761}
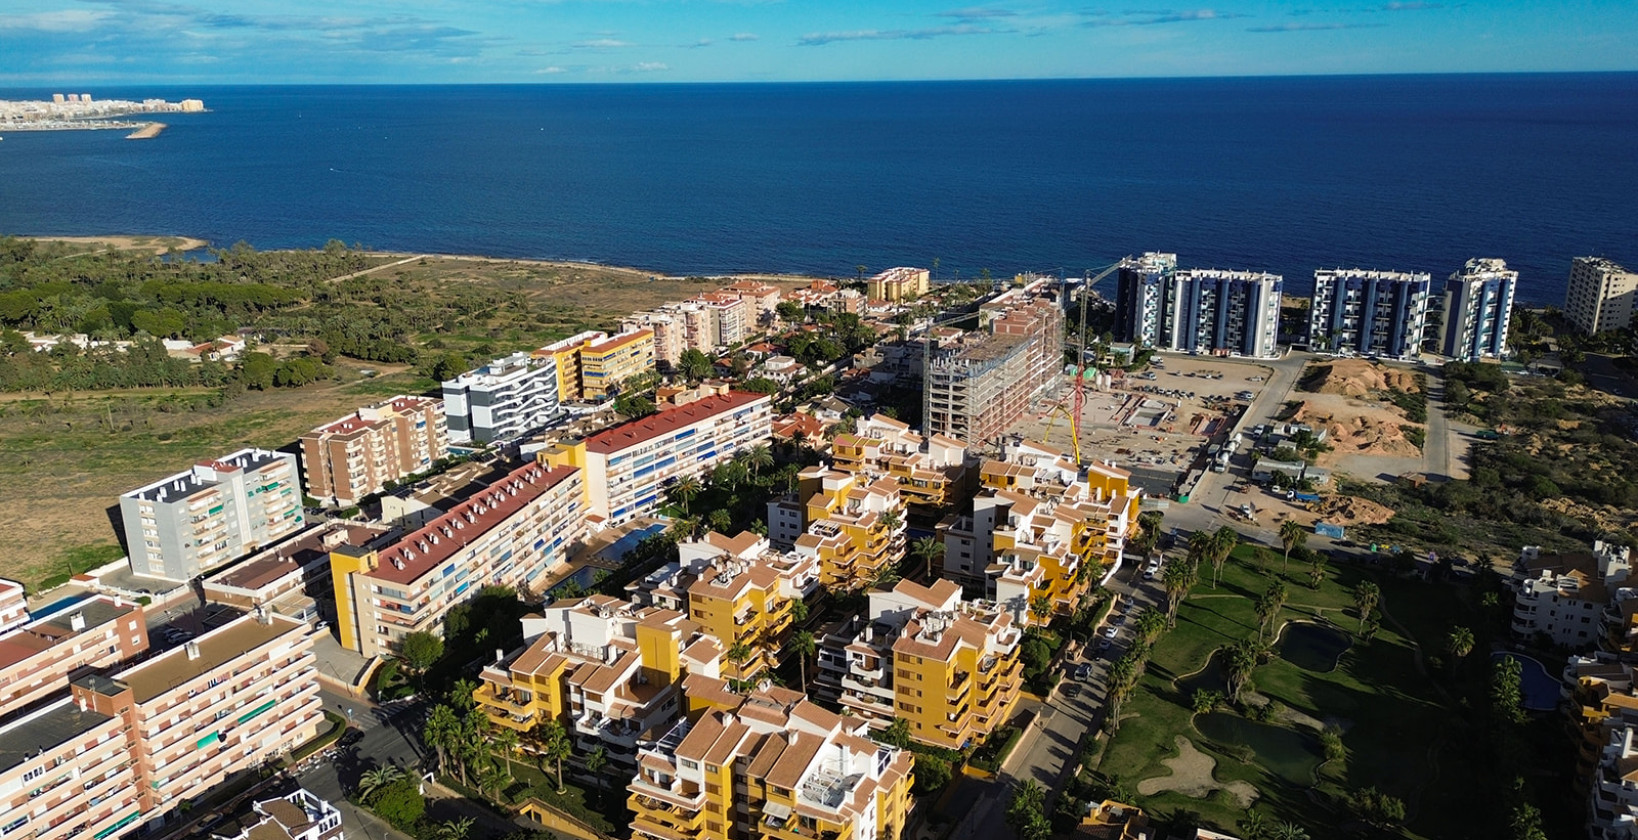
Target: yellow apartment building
{"x": 774, "y": 767}
{"x": 946, "y": 666}
{"x": 606, "y": 363}
{"x": 896, "y": 284}
{"x": 852, "y": 524}
{"x": 609, "y": 671}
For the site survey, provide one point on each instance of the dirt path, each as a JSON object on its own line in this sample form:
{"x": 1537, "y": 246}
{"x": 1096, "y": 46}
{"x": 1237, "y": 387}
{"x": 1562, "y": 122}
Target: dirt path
{"x": 408, "y": 259}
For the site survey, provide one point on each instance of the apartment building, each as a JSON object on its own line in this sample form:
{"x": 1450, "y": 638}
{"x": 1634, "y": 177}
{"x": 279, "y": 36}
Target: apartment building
{"x": 1600, "y": 295}
{"x": 13, "y": 605}
{"x": 669, "y": 334}
{"x": 980, "y": 384}
{"x": 732, "y": 318}
{"x": 1478, "y": 310}
{"x": 853, "y": 526}
{"x": 932, "y": 472}
{"x": 37, "y": 659}
{"x": 1598, "y": 699}
{"x": 1142, "y": 286}
{"x": 67, "y": 771}
{"x": 291, "y": 577}
{"x": 509, "y": 534}
{"x": 1377, "y": 313}
{"x": 224, "y": 703}
{"x": 627, "y": 467}
{"x": 896, "y": 284}
{"x": 297, "y": 815}
{"x": 1612, "y": 801}
{"x": 345, "y": 460}
{"x": 1111, "y": 820}
{"x": 947, "y": 666}
{"x": 1566, "y": 596}
{"x": 611, "y": 672}
{"x": 1198, "y": 310}
{"x": 762, "y": 298}
{"x": 212, "y": 514}
{"x": 740, "y": 591}
{"x": 1042, "y": 530}
{"x": 775, "y": 766}
{"x": 592, "y": 365}
{"x": 503, "y": 399}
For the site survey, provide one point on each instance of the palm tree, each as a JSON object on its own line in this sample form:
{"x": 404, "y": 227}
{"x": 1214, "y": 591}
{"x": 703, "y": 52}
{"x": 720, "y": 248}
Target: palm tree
{"x": 1200, "y": 547}
{"x": 1149, "y": 625}
{"x": 1288, "y": 831}
{"x": 1276, "y": 597}
{"x": 1459, "y": 644}
{"x": 1178, "y": 578}
{"x": 927, "y": 549}
{"x": 1239, "y": 660}
{"x": 1253, "y": 826}
{"x": 1222, "y": 545}
{"x": 1316, "y": 573}
{"x": 376, "y": 779}
{"x": 460, "y": 695}
{"x": 596, "y": 760}
{"x": 760, "y": 458}
{"x": 799, "y": 611}
{"x": 739, "y": 654}
{"x": 1040, "y": 607}
{"x": 441, "y": 732}
{"x": 684, "y": 527}
{"x": 555, "y": 744}
{"x": 1291, "y": 536}
{"x": 683, "y": 490}
{"x": 507, "y": 740}
{"x": 804, "y": 646}
{"x": 456, "y": 829}
{"x": 1366, "y": 596}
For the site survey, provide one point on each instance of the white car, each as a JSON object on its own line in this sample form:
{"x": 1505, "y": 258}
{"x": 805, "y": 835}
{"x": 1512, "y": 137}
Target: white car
{"x": 1111, "y": 631}
{"x": 1151, "y": 570}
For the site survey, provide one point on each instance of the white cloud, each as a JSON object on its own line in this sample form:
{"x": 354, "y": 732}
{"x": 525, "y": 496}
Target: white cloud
{"x": 649, "y": 66}
{"x": 601, "y": 44}
{"x": 550, "y": 71}
{"x": 67, "y": 20}
{"x": 745, "y": 36}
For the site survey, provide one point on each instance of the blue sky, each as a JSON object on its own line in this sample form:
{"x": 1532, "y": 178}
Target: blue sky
{"x": 45, "y": 42}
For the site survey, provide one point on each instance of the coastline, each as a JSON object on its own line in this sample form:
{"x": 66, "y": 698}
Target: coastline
{"x": 147, "y": 132}
{"x": 157, "y": 243}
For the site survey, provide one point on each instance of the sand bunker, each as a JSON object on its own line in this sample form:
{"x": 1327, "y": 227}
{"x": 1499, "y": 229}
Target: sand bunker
{"x": 1358, "y": 378}
{"x": 1359, "y": 431}
{"x": 1192, "y": 776}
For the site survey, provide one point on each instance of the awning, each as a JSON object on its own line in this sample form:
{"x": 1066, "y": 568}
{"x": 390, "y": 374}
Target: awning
{"x": 776, "y": 810}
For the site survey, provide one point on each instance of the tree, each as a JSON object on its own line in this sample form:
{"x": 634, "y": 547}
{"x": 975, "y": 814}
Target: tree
{"x": 1149, "y": 625}
{"x": 376, "y": 779}
{"x": 596, "y": 760}
{"x": 927, "y": 549}
{"x": 803, "y": 645}
{"x": 791, "y": 312}
{"x": 1253, "y": 826}
{"x": 1291, "y": 536}
{"x": 420, "y": 650}
{"x": 1377, "y": 808}
{"x": 1524, "y": 823}
{"x": 1026, "y": 812}
{"x": 399, "y": 803}
{"x": 1459, "y": 644}
{"x": 1239, "y": 660}
{"x": 694, "y": 365}
{"x": 1316, "y": 572}
{"x": 1223, "y": 542}
{"x": 1178, "y": 578}
{"x": 1275, "y": 596}
{"x": 441, "y": 731}
{"x": 683, "y": 490}
{"x": 1040, "y": 607}
{"x": 1262, "y": 558}
{"x": 932, "y": 774}
{"x": 1205, "y": 700}
{"x": 634, "y": 406}
{"x": 897, "y": 733}
{"x": 1366, "y": 596}
{"x": 506, "y": 740}
{"x": 456, "y": 829}
{"x": 1288, "y": 831}
{"x": 1506, "y": 691}
{"x": 720, "y": 520}
{"x": 739, "y": 654}
{"x": 799, "y": 611}
{"x": 555, "y": 745}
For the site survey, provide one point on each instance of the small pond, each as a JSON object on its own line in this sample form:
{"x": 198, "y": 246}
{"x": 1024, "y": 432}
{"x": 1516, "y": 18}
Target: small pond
{"x": 1313, "y": 647}
{"x": 1539, "y": 687}
{"x": 1285, "y": 752}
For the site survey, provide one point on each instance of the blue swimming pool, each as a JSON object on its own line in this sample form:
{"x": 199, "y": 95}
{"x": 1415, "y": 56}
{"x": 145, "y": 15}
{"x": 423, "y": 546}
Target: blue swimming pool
{"x": 57, "y": 606}
{"x": 1539, "y": 687}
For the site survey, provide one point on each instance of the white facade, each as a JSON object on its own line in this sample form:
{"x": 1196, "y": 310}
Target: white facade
{"x": 502, "y": 400}
{"x": 1600, "y": 295}
{"x": 1478, "y": 310}
{"x": 216, "y": 512}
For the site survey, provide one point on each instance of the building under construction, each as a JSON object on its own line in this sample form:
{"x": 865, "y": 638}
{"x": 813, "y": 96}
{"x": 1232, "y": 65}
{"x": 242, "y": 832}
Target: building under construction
{"x": 981, "y": 383}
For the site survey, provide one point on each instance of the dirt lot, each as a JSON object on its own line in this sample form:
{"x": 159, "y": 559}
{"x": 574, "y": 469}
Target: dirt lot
{"x": 1357, "y": 427}
{"x": 67, "y": 458}
{"x": 1357, "y": 378}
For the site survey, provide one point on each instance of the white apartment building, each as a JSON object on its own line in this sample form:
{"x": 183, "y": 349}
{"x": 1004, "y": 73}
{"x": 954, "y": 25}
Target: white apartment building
{"x": 509, "y": 534}
{"x": 13, "y": 605}
{"x": 503, "y": 399}
{"x": 37, "y": 659}
{"x": 1600, "y": 295}
{"x": 1198, "y": 310}
{"x": 1478, "y": 311}
{"x": 1564, "y": 595}
{"x": 298, "y": 815}
{"x": 1378, "y": 313}
{"x": 628, "y": 467}
{"x": 217, "y": 512}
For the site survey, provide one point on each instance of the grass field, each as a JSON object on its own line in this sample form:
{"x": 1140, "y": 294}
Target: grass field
{"x": 1399, "y": 729}
{"x": 68, "y": 456}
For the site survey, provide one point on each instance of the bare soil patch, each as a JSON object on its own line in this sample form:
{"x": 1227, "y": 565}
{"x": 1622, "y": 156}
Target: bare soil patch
{"x": 1356, "y": 427}
{"x": 1352, "y": 510}
{"x": 1358, "y": 378}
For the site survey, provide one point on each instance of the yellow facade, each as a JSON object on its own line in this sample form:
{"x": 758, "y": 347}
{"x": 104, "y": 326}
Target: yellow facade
{"x": 855, "y": 526}
{"x": 751, "y": 618}
{"x": 604, "y": 365}
{"x": 932, "y": 473}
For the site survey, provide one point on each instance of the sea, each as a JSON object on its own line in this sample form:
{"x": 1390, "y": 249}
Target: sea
{"x": 1288, "y": 174}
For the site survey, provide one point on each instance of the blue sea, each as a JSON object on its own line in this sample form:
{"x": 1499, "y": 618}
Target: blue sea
{"x": 1281, "y": 174}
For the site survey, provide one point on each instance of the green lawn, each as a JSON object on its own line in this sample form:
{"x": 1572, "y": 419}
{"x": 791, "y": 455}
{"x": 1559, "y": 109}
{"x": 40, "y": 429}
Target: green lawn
{"x": 1396, "y": 721}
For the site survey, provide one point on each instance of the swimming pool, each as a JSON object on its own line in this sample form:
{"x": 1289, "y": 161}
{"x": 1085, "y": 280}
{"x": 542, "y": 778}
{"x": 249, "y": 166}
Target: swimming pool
{"x": 57, "y": 606}
{"x": 1537, "y": 685}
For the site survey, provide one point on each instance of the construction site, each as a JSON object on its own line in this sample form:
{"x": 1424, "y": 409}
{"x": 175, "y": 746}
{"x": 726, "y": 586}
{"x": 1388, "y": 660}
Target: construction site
{"x": 1157, "y": 424}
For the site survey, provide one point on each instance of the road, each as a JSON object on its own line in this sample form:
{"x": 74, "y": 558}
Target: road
{"x": 1436, "y": 445}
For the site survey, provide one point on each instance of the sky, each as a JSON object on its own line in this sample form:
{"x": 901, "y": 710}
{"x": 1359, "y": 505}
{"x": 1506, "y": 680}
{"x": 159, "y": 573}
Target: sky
{"x": 45, "y": 42}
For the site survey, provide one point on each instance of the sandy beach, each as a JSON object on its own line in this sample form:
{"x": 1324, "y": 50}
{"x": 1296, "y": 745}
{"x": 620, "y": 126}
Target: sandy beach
{"x": 129, "y": 242}
{"x": 146, "y": 132}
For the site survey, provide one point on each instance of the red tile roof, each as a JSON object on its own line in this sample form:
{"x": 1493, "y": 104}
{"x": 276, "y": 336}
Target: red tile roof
{"x": 627, "y": 435}
{"x": 421, "y": 552}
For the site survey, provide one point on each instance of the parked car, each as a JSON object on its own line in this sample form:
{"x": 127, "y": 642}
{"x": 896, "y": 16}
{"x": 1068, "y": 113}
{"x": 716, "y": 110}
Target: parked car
{"x": 350, "y": 737}
{"x": 1083, "y": 671}
{"x": 1105, "y": 644}
{"x": 1111, "y": 631}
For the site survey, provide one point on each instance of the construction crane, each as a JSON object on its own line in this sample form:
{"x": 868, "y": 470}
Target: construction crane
{"x": 1078, "y": 415}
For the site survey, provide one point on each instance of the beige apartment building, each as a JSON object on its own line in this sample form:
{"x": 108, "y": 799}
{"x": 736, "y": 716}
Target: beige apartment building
{"x": 896, "y": 284}
{"x": 1600, "y": 295}
{"x": 67, "y": 771}
{"x": 288, "y": 578}
{"x": 226, "y": 702}
{"x": 762, "y": 298}
{"x": 13, "y": 605}
{"x": 37, "y": 659}
{"x": 345, "y": 460}
{"x": 510, "y": 534}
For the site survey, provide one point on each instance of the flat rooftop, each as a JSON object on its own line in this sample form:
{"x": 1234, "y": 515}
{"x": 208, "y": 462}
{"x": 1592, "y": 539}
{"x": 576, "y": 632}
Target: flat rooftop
{"x": 200, "y": 476}
{"x": 216, "y": 649}
{"x": 31, "y": 639}
{"x": 291, "y": 556}
{"x": 26, "y": 736}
